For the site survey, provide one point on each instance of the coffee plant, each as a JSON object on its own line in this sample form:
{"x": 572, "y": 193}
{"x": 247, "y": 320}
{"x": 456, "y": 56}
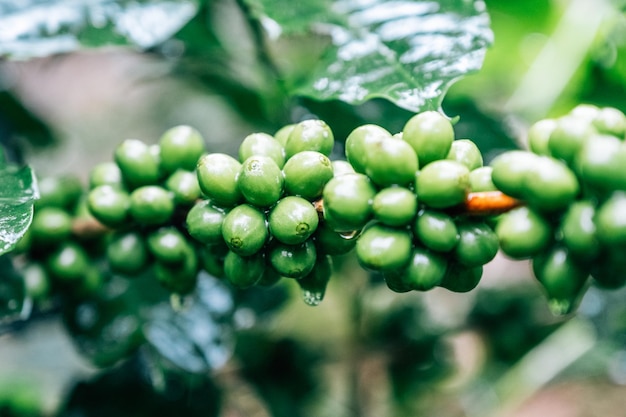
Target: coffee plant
{"x": 353, "y": 186}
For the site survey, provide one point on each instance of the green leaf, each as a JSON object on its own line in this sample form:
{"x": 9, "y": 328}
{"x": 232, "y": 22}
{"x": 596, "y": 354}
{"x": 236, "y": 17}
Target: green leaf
{"x": 199, "y": 336}
{"x": 408, "y": 52}
{"x": 12, "y": 292}
{"x": 18, "y": 192}
{"x": 33, "y": 28}
{"x": 19, "y": 121}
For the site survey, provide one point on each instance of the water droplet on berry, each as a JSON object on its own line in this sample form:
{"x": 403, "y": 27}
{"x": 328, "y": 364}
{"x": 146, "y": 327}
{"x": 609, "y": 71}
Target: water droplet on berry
{"x": 349, "y": 235}
{"x": 312, "y": 298}
{"x": 560, "y": 307}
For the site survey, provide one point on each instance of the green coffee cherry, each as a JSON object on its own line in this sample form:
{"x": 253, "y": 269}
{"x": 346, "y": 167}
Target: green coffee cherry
{"x": 81, "y": 212}
{"x": 217, "y": 177}
{"x": 244, "y": 272}
{"x": 139, "y": 165}
{"x": 394, "y": 206}
{"x": 359, "y": 141}
{"x": 391, "y": 162}
{"x": 245, "y": 230}
{"x": 480, "y": 180}
{"x": 568, "y": 137}
{"x": 395, "y": 281}
{"x": 348, "y": 202}
{"x": 105, "y": 173}
{"x": 523, "y": 233}
{"x": 127, "y": 252}
{"x": 68, "y": 262}
{"x": 467, "y": 153}
{"x": 61, "y": 192}
{"x": 510, "y": 170}
{"x": 610, "y": 121}
{"x": 425, "y": 270}
{"x": 293, "y": 261}
{"x": 260, "y": 181}
{"x": 262, "y": 144}
{"x": 610, "y": 221}
{"x": 310, "y": 135}
{"x": 179, "y": 278}
{"x": 293, "y": 220}
{"x": 477, "y": 245}
{"x": 173, "y": 280}
{"x": 539, "y": 135}
{"x": 204, "y": 222}
{"x": 109, "y": 205}
{"x": 184, "y": 187}
{"x": 90, "y": 285}
{"x": 50, "y": 225}
{"x": 442, "y": 184}
{"x": 562, "y": 279}
{"x": 313, "y": 285}
{"x": 282, "y": 134}
{"x": 600, "y": 164}
{"x": 306, "y": 173}
{"x": 181, "y": 147}
{"x": 269, "y": 277}
{"x": 430, "y": 134}
{"x": 578, "y": 230}
{"x": 585, "y": 112}
{"x": 151, "y": 205}
{"x": 436, "y": 230}
{"x": 212, "y": 258}
{"x": 330, "y": 242}
{"x": 36, "y": 281}
{"x": 168, "y": 245}
{"x": 342, "y": 167}
{"x": 551, "y": 185}
{"x": 383, "y": 248}
{"x": 460, "y": 278}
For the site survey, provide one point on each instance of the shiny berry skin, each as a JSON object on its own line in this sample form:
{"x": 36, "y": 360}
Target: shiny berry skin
{"x": 181, "y": 147}
{"x": 310, "y": 135}
{"x": 245, "y": 230}
{"x": 138, "y": 163}
{"x": 306, "y": 173}
{"x": 151, "y": 205}
{"x": 293, "y": 220}
{"x": 442, "y": 184}
{"x": 217, "y": 177}
{"x": 430, "y": 134}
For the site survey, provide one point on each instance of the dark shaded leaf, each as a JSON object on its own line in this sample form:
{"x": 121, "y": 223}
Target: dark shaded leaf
{"x": 199, "y": 336}
{"x": 17, "y": 121}
{"x": 409, "y": 52}
{"x": 12, "y": 291}
{"x": 195, "y": 336}
{"x": 282, "y": 371}
{"x": 489, "y": 131}
{"x": 106, "y": 327}
{"x": 126, "y": 391}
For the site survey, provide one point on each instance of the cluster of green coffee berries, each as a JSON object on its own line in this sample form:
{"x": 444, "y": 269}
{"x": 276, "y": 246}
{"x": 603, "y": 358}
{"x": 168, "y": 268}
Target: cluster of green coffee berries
{"x": 142, "y": 195}
{"x": 282, "y": 208}
{"x": 53, "y": 256}
{"x": 260, "y": 222}
{"x": 403, "y": 196}
{"x": 573, "y": 183}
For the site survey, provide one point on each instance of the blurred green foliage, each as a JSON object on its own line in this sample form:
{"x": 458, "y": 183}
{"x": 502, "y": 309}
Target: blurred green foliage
{"x": 157, "y": 360}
